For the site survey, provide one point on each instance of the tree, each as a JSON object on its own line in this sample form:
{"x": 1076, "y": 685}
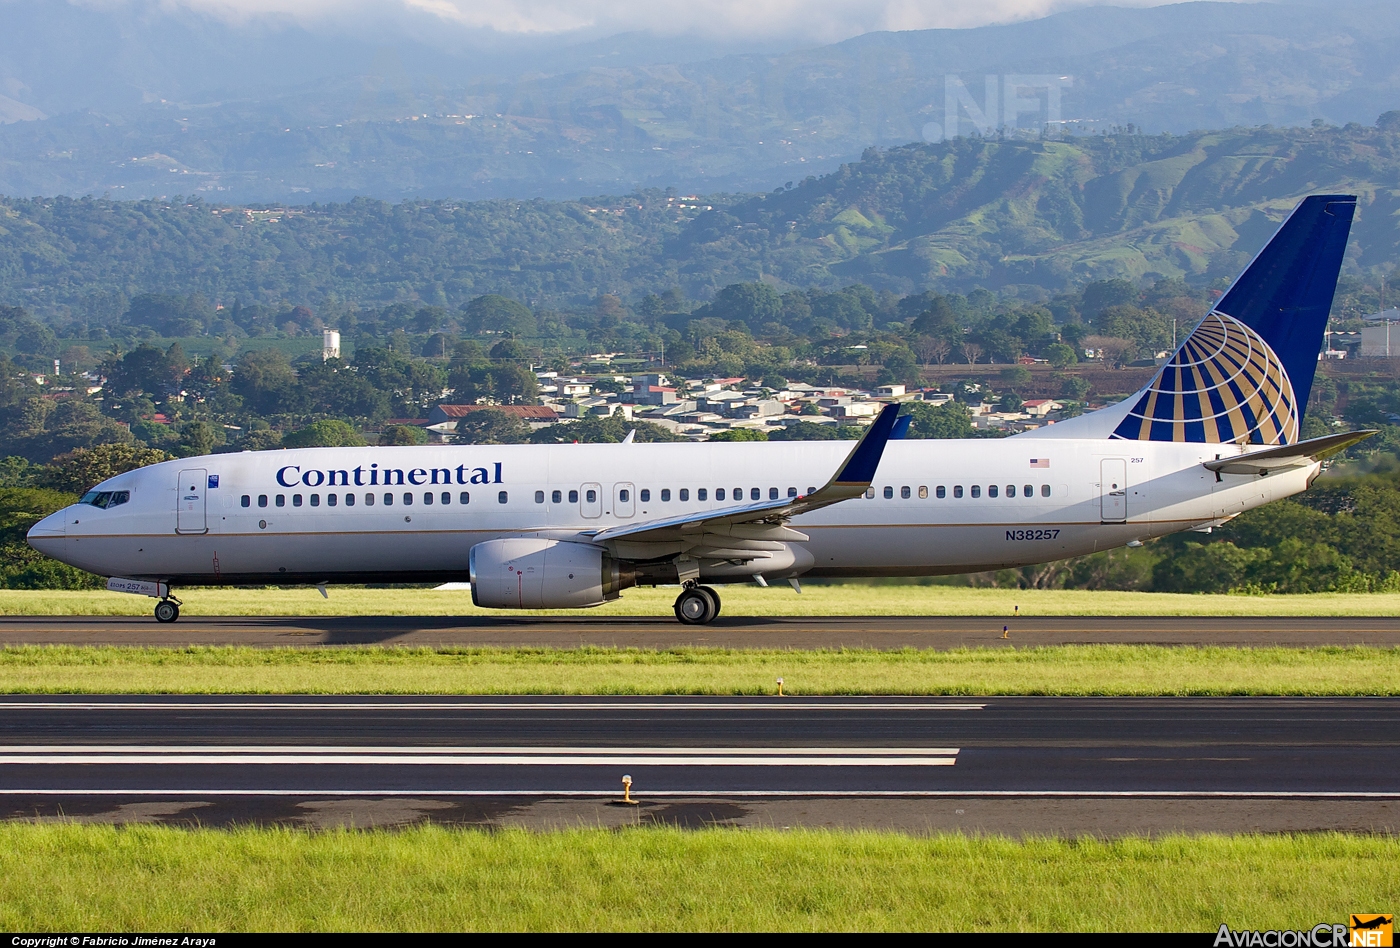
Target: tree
{"x": 403, "y": 435}
{"x": 265, "y": 380}
{"x": 805, "y": 431}
{"x": 932, "y": 349}
{"x": 77, "y": 471}
{"x": 598, "y": 429}
{"x": 751, "y": 303}
{"x": 198, "y": 438}
{"x": 329, "y": 433}
{"x": 492, "y": 426}
{"x": 498, "y": 314}
{"x": 144, "y": 369}
{"x": 971, "y": 352}
{"x": 21, "y": 566}
{"x": 1061, "y": 355}
{"x": 949, "y": 420}
{"x": 739, "y": 434}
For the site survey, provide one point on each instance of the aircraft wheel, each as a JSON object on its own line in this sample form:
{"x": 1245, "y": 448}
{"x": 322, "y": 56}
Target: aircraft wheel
{"x": 167, "y": 611}
{"x": 715, "y": 596}
{"x": 695, "y": 606}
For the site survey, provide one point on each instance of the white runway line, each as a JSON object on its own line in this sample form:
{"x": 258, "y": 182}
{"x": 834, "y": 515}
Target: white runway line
{"x": 485, "y": 756}
{"x": 776, "y": 704}
{"x": 721, "y": 793}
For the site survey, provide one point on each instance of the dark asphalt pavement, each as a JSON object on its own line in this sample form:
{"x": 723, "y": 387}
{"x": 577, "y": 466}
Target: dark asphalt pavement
{"x": 168, "y": 747}
{"x": 882, "y": 632}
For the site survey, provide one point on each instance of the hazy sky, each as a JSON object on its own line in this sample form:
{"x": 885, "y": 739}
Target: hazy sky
{"x": 819, "y": 19}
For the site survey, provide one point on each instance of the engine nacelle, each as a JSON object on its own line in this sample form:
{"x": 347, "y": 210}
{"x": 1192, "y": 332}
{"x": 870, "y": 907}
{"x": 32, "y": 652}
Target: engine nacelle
{"x": 538, "y": 573}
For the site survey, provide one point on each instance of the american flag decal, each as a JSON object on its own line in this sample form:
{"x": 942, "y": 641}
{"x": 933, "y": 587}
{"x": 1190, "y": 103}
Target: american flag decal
{"x": 1040, "y": 462}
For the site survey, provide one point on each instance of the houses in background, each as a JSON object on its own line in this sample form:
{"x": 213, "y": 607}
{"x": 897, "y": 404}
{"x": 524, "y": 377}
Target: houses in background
{"x": 699, "y": 408}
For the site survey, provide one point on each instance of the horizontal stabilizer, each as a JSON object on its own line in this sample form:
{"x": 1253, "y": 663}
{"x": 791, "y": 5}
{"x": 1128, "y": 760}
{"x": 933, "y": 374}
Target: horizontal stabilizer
{"x": 1288, "y": 455}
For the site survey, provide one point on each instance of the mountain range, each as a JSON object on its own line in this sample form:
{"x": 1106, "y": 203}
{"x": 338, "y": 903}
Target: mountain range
{"x": 135, "y": 107}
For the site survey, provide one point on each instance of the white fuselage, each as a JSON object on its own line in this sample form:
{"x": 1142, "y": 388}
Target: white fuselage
{"x": 952, "y": 506}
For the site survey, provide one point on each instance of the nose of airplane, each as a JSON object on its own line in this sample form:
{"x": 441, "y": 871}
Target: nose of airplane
{"x": 47, "y": 535}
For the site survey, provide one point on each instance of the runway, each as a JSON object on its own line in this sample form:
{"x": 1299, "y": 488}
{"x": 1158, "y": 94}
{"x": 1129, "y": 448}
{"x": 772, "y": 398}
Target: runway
{"x": 828, "y": 761}
{"x": 878, "y": 632}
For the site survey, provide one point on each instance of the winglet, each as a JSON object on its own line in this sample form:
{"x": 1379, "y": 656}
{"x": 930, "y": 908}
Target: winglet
{"x": 865, "y": 457}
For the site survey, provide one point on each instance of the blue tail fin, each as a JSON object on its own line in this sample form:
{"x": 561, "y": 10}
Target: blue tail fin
{"x": 1244, "y": 373}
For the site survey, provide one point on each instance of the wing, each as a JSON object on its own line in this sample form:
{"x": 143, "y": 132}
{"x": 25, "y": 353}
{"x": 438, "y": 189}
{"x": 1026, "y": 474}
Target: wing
{"x": 1289, "y": 455}
{"x": 745, "y": 529}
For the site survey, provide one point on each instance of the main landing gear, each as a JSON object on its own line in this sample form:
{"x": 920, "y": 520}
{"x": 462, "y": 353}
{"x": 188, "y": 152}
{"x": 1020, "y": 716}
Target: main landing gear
{"x": 168, "y": 610}
{"x": 697, "y": 605}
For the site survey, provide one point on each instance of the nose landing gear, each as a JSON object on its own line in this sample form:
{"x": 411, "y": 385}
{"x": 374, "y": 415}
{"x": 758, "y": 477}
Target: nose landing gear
{"x": 697, "y": 605}
{"x": 168, "y": 610}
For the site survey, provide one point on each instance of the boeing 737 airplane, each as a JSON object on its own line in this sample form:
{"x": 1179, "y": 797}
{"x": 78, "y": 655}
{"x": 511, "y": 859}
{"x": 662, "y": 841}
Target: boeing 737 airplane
{"x": 1214, "y": 434}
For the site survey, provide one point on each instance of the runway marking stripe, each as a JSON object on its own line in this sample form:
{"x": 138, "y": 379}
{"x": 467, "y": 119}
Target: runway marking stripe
{"x": 759, "y": 705}
{"x": 720, "y": 792}
{"x": 493, "y": 760}
{"x": 309, "y": 750}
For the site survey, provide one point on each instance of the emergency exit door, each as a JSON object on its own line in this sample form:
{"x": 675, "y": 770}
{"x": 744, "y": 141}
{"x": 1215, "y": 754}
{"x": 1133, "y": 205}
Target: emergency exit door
{"x": 1113, "y": 489}
{"x": 190, "y": 509}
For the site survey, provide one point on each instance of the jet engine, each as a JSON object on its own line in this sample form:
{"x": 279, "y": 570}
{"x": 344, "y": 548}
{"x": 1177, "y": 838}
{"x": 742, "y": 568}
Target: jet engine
{"x": 539, "y": 573}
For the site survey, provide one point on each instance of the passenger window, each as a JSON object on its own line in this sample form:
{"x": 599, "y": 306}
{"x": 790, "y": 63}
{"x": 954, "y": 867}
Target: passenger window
{"x": 772, "y": 493}
{"x": 792, "y": 492}
{"x": 719, "y": 493}
{"x": 1010, "y": 490}
{"x": 350, "y": 500}
{"x": 281, "y": 500}
{"x": 923, "y": 493}
{"x": 991, "y": 490}
{"x": 811, "y": 490}
{"x": 428, "y": 497}
{"x": 976, "y": 490}
{"x": 296, "y": 500}
{"x": 904, "y": 493}
{"x": 464, "y": 498}
{"x": 738, "y": 493}
{"x": 539, "y": 496}
{"x": 1028, "y": 491}
{"x": 755, "y": 493}
{"x": 1045, "y": 490}
{"x": 957, "y": 490}
{"x": 315, "y": 500}
{"x": 245, "y": 500}
{"x": 369, "y": 499}
{"x": 332, "y": 499}
{"x": 408, "y": 499}
{"x": 624, "y": 495}
{"x": 502, "y": 497}
{"x": 685, "y": 493}
{"x": 644, "y": 495}
{"x": 870, "y": 493}
{"x": 889, "y": 493}
{"x": 590, "y": 496}
{"x": 665, "y": 495}
{"x": 388, "y": 499}
{"x": 573, "y": 496}
{"x": 446, "y": 498}
{"x": 556, "y": 497}
{"x": 262, "y": 500}
{"x": 700, "y": 494}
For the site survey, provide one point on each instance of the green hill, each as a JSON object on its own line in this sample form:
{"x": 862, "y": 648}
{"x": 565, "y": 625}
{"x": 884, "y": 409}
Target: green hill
{"x": 949, "y": 216}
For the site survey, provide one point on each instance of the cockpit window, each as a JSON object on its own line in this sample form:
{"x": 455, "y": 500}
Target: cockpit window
{"x": 106, "y": 498}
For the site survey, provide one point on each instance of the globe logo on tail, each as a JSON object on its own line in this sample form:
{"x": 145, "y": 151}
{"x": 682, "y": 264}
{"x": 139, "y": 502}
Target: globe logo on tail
{"x": 1225, "y": 384}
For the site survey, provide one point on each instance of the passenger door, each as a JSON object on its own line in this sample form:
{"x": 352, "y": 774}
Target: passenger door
{"x": 624, "y": 501}
{"x": 190, "y": 509}
{"x": 1113, "y": 489}
{"x": 590, "y": 500}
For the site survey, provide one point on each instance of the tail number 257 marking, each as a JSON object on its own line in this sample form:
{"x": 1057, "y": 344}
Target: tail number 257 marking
{"x": 1050, "y": 534}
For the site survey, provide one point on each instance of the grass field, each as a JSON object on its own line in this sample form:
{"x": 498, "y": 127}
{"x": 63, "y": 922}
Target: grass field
{"x": 816, "y": 600}
{"x": 1051, "y": 670}
{"x": 83, "y": 878}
